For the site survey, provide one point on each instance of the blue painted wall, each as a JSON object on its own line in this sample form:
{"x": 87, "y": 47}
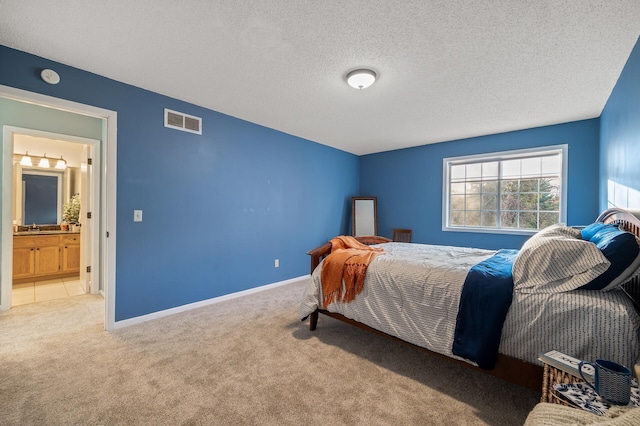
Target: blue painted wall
{"x": 218, "y": 208}
{"x": 408, "y": 182}
{"x": 620, "y": 138}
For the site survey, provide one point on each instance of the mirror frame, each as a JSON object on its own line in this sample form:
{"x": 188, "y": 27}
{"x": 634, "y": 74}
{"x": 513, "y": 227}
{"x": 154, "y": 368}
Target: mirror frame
{"x": 365, "y": 222}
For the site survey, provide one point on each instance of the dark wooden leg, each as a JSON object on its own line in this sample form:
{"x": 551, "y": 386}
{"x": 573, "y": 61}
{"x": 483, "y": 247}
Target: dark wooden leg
{"x": 313, "y": 320}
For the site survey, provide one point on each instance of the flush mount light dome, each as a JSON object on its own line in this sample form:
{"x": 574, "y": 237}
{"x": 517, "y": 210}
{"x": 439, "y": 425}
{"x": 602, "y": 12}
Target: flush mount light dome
{"x": 361, "y": 79}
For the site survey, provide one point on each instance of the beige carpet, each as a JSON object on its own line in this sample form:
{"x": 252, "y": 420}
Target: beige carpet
{"x": 245, "y": 361}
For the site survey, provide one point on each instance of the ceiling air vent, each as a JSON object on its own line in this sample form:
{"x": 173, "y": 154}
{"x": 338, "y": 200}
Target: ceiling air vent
{"x": 180, "y": 121}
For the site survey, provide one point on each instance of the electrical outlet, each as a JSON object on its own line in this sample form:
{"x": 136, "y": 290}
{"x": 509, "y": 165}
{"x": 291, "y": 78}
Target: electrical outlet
{"x": 276, "y": 263}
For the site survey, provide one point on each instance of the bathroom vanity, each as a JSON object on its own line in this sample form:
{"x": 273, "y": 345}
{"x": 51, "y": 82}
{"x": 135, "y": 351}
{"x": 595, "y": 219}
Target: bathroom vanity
{"x": 41, "y": 255}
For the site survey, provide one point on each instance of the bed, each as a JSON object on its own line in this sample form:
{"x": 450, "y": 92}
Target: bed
{"x": 415, "y": 294}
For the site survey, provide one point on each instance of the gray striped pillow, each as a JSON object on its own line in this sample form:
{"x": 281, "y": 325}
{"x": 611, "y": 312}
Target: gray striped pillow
{"x": 557, "y": 260}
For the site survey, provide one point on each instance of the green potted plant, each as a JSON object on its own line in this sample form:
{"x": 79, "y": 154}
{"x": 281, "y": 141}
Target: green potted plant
{"x": 71, "y": 211}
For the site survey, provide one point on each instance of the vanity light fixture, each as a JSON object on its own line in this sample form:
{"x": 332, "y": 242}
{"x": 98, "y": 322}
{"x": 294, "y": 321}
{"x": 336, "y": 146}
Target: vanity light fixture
{"x": 61, "y": 164}
{"x": 26, "y": 160}
{"x": 44, "y": 162}
{"x": 361, "y": 78}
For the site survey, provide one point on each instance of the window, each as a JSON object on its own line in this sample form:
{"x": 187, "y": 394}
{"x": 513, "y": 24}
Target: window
{"x": 506, "y": 192}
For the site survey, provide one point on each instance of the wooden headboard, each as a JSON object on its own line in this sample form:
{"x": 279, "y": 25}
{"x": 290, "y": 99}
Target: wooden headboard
{"x": 629, "y": 220}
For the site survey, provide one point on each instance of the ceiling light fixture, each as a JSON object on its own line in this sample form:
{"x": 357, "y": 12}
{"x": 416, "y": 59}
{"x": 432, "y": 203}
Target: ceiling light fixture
{"x": 44, "y": 162}
{"x": 26, "y": 160}
{"x": 361, "y": 78}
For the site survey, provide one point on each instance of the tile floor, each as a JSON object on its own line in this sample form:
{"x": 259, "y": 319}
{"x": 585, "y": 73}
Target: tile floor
{"x": 45, "y": 290}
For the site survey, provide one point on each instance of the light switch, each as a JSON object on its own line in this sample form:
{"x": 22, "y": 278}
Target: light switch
{"x": 137, "y": 215}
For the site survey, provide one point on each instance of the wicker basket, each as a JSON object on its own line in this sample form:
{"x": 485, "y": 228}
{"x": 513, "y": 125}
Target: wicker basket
{"x": 554, "y": 376}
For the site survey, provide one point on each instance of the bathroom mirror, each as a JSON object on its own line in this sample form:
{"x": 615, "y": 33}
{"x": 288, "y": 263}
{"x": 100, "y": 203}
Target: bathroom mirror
{"x": 364, "y": 216}
{"x": 41, "y": 197}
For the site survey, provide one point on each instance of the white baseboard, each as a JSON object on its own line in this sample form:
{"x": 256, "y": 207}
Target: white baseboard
{"x": 187, "y": 307}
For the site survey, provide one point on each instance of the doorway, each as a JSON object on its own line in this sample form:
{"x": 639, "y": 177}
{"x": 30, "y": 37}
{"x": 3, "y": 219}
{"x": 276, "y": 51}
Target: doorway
{"x": 54, "y": 207}
{"x": 103, "y": 189}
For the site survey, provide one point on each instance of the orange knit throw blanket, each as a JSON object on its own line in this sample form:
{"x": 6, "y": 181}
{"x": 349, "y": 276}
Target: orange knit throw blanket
{"x": 347, "y": 261}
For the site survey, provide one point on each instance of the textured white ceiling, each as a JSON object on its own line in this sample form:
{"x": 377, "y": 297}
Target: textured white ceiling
{"x": 449, "y": 69}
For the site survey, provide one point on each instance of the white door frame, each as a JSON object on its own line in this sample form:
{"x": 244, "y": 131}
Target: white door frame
{"x": 88, "y": 187}
{"x": 107, "y": 225}
{"x": 90, "y": 246}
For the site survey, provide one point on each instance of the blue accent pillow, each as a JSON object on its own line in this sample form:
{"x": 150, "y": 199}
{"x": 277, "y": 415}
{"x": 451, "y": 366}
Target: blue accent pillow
{"x": 620, "y": 248}
{"x": 589, "y": 231}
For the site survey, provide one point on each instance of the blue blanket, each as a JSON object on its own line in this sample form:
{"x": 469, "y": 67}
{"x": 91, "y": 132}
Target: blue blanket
{"x": 484, "y": 303}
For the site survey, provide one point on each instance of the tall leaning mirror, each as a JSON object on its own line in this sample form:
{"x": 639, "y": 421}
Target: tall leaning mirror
{"x": 364, "y": 216}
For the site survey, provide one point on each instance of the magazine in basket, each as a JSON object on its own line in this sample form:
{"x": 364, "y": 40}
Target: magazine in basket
{"x": 566, "y": 363}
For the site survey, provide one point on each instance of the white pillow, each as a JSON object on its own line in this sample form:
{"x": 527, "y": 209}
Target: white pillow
{"x": 556, "y": 260}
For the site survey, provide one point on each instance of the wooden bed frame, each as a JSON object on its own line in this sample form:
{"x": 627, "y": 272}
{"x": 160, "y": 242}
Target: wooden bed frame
{"x": 507, "y": 368}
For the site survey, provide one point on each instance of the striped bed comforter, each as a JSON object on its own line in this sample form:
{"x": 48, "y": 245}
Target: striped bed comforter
{"x": 412, "y": 291}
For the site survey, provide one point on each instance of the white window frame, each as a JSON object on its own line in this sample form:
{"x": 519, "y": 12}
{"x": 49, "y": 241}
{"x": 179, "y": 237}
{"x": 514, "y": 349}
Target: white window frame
{"x": 562, "y": 150}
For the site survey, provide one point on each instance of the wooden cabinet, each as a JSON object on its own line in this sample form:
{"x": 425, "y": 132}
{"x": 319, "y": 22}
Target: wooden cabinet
{"x": 47, "y": 260}
{"x": 70, "y": 253}
{"x": 24, "y": 262}
{"x": 45, "y": 256}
